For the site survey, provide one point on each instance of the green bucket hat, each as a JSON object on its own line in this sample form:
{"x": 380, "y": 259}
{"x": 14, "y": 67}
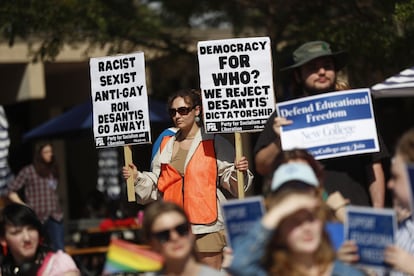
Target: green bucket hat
{"x": 315, "y": 49}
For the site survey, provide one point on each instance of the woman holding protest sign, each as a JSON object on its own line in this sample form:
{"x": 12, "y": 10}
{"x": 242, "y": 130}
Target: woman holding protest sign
{"x": 194, "y": 170}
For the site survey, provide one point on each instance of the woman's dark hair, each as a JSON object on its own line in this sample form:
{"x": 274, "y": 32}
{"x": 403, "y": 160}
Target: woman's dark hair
{"x": 190, "y": 96}
{"x": 19, "y": 215}
{"x": 42, "y": 168}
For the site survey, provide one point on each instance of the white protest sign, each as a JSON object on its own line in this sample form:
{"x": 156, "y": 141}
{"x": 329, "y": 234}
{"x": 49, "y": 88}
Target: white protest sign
{"x": 120, "y": 100}
{"x": 331, "y": 124}
{"x": 372, "y": 229}
{"x": 236, "y": 82}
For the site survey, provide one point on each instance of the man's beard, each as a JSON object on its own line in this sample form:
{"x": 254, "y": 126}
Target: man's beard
{"x": 314, "y": 91}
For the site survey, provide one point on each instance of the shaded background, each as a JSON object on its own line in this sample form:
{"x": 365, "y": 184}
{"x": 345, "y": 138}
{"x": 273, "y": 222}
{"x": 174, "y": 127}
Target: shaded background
{"x": 45, "y": 47}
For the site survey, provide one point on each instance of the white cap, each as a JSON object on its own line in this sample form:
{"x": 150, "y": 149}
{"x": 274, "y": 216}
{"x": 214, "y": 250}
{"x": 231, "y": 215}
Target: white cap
{"x": 294, "y": 171}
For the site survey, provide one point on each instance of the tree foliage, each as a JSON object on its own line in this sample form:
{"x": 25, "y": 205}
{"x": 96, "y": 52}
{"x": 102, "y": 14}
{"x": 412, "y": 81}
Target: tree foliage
{"x": 122, "y": 24}
{"x": 377, "y": 34}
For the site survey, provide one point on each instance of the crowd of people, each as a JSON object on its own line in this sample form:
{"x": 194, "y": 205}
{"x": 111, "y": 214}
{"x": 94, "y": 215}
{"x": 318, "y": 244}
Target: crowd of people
{"x": 303, "y": 196}
{"x": 193, "y": 172}
{"x": 359, "y": 178}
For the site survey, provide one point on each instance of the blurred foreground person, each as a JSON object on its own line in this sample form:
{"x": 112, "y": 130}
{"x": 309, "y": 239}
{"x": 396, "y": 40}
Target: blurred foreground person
{"x": 167, "y": 229}
{"x": 335, "y": 201}
{"x": 290, "y": 238}
{"x": 21, "y": 238}
{"x": 401, "y": 255}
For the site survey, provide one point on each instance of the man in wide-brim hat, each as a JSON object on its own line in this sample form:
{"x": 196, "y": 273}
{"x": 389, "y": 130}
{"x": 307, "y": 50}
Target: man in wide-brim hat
{"x": 315, "y": 67}
{"x": 359, "y": 178}
{"x": 315, "y": 49}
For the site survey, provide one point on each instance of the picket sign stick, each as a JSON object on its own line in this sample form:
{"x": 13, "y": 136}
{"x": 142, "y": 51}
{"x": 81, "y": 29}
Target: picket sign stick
{"x": 130, "y": 180}
{"x": 239, "y": 154}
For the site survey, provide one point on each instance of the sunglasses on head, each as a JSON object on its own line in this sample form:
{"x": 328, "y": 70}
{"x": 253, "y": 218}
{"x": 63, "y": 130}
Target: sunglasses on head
{"x": 181, "y": 110}
{"x": 164, "y": 236}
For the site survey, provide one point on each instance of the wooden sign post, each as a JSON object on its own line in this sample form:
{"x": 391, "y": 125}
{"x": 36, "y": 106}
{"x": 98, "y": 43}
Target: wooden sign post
{"x": 236, "y": 82}
{"x": 239, "y": 153}
{"x": 130, "y": 180}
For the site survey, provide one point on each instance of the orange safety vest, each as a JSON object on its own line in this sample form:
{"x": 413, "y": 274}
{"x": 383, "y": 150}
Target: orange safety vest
{"x": 196, "y": 192}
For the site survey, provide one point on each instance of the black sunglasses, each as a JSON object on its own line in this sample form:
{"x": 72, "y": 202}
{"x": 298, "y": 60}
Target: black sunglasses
{"x": 164, "y": 236}
{"x": 181, "y": 110}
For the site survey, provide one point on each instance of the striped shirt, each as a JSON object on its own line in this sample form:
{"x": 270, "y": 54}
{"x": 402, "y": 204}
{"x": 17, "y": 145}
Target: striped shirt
{"x": 405, "y": 239}
{"x": 40, "y": 193}
{"x": 5, "y": 173}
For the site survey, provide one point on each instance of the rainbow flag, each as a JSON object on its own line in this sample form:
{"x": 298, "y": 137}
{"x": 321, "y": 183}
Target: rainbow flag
{"x": 123, "y": 256}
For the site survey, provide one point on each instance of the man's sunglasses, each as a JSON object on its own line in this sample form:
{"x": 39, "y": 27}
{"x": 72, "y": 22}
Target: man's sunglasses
{"x": 164, "y": 236}
{"x": 181, "y": 110}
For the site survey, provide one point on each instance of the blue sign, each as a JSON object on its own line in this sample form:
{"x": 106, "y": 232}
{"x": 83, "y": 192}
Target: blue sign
{"x": 331, "y": 124}
{"x": 240, "y": 215}
{"x": 372, "y": 230}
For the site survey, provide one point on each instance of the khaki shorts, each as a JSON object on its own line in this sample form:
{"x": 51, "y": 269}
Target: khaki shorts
{"x": 211, "y": 242}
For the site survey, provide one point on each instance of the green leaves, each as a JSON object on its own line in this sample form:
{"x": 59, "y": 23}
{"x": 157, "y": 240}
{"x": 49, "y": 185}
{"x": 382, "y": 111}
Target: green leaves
{"x": 378, "y": 34}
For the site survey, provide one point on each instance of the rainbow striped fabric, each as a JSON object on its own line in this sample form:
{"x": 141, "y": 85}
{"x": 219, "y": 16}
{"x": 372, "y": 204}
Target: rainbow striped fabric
{"x": 124, "y": 256}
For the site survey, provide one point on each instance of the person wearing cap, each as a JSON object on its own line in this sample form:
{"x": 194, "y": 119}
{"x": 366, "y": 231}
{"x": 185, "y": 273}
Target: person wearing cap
{"x": 290, "y": 238}
{"x": 360, "y": 178}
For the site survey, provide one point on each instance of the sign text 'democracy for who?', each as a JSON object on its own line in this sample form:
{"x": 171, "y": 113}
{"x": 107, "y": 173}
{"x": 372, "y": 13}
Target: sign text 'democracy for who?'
{"x": 120, "y": 100}
{"x": 236, "y": 82}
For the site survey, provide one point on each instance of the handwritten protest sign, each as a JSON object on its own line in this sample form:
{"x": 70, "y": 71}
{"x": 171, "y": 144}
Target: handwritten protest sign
{"x": 120, "y": 100}
{"x": 237, "y": 84}
{"x": 330, "y": 125}
{"x": 372, "y": 230}
{"x": 240, "y": 216}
